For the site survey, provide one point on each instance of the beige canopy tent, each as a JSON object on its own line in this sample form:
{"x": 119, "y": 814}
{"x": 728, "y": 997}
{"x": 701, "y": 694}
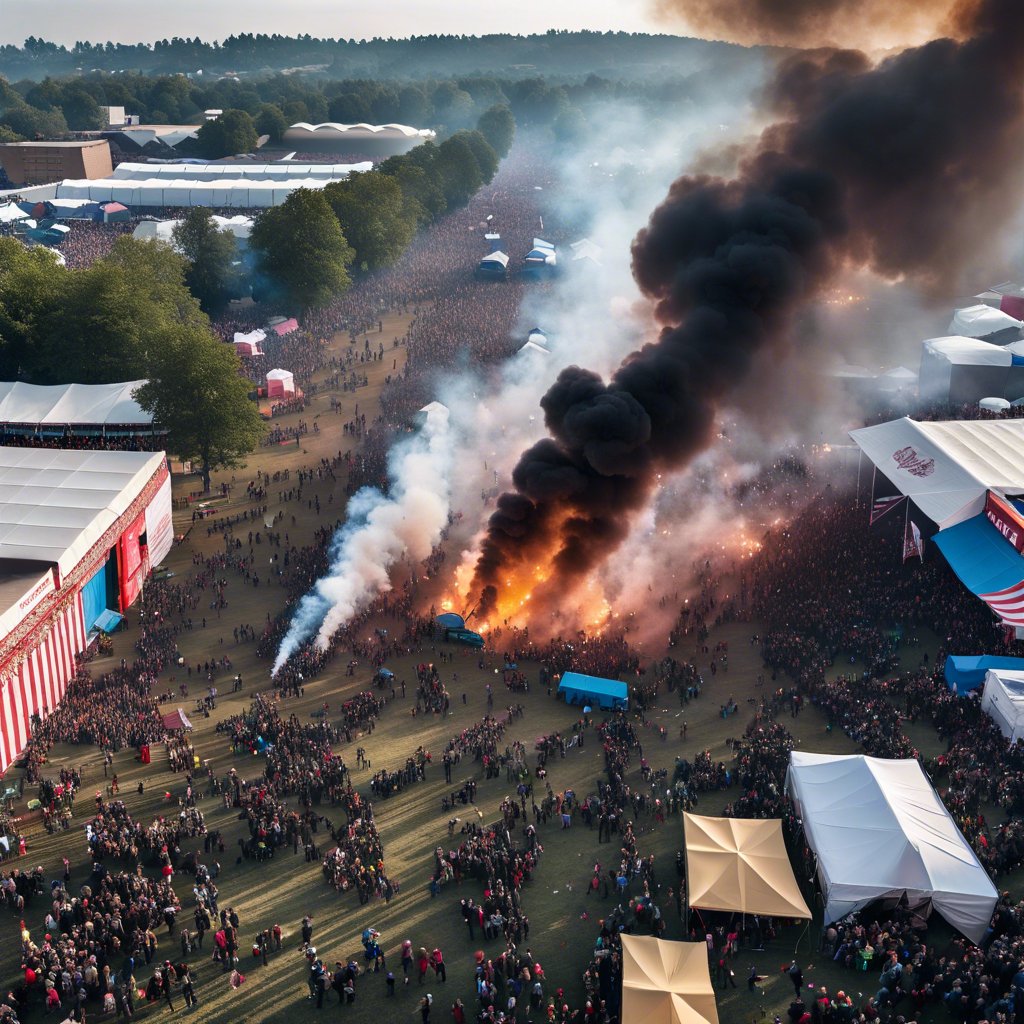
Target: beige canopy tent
{"x": 666, "y": 982}
{"x": 741, "y": 864}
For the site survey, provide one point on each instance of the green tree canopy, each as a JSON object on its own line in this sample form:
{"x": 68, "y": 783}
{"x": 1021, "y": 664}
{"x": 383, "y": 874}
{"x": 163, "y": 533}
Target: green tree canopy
{"x": 486, "y": 158}
{"x": 209, "y": 252}
{"x": 270, "y": 121}
{"x": 375, "y": 216}
{"x": 30, "y": 280}
{"x": 232, "y": 132}
{"x": 301, "y": 251}
{"x": 196, "y": 393}
{"x": 457, "y": 170}
{"x": 498, "y": 126}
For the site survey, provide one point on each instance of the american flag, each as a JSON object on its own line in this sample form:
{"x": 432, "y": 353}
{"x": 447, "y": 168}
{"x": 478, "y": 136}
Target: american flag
{"x": 1008, "y": 604}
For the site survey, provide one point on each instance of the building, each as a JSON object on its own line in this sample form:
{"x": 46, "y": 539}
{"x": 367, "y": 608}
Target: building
{"x": 375, "y": 141}
{"x": 37, "y": 163}
{"x": 79, "y": 533}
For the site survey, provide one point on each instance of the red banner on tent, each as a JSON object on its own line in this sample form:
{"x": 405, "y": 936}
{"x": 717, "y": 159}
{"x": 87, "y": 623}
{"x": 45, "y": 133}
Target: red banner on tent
{"x": 1006, "y": 519}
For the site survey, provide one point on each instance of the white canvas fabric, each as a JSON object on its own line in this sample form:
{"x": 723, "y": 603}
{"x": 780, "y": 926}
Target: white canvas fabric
{"x": 981, "y": 320}
{"x": 221, "y": 172}
{"x": 77, "y": 404}
{"x": 959, "y": 350}
{"x": 879, "y": 829}
{"x": 238, "y": 193}
{"x": 946, "y": 467}
{"x": 56, "y": 504}
{"x": 1002, "y": 698}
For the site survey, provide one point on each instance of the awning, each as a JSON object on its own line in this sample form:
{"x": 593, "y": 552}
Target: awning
{"x": 108, "y": 621}
{"x": 176, "y": 720}
{"x": 666, "y": 982}
{"x": 987, "y": 564}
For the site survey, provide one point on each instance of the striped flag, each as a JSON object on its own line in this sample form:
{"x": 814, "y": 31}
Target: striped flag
{"x": 1008, "y": 604}
{"x": 881, "y": 506}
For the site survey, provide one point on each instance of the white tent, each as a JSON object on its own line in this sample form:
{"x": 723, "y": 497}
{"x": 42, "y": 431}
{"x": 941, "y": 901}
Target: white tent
{"x": 245, "y": 170}
{"x": 879, "y": 831}
{"x": 899, "y": 379}
{"x": 72, "y": 404}
{"x": 12, "y": 212}
{"x": 1003, "y": 700}
{"x": 280, "y": 383}
{"x": 55, "y": 505}
{"x": 534, "y": 348}
{"x": 946, "y": 468}
{"x": 239, "y": 193}
{"x": 982, "y": 320}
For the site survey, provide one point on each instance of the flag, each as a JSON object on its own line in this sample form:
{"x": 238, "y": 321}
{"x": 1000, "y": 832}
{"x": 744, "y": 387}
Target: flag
{"x": 913, "y": 542}
{"x": 880, "y": 506}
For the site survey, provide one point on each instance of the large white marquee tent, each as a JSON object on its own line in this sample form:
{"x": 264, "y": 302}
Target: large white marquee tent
{"x": 879, "y": 831}
{"x": 946, "y": 468}
{"x": 222, "y": 172}
{"x": 95, "y": 405}
{"x": 236, "y": 193}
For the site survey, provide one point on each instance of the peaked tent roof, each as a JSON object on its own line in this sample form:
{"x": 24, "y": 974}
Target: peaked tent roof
{"x": 666, "y": 982}
{"x": 80, "y": 404}
{"x": 946, "y": 467}
{"x": 741, "y": 864}
{"x": 981, "y": 320}
{"x": 962, "y": 351}
{"x": 879, "y": 829}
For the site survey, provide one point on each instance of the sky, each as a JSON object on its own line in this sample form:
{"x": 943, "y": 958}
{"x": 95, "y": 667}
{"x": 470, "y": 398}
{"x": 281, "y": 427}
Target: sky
{"x": 131, "y": 21}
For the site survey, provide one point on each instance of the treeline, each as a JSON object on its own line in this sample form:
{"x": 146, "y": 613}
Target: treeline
{"x": 52, "y": 107}
{"x": 559, "y": 53}
{"x": 307, "y": 249}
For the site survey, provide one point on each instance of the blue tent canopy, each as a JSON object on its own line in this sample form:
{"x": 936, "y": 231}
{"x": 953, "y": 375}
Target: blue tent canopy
{"x": 979, "y": 554}
{"x": 967, "y": 672}
{"x": 581, "y": 689}
{"x": 450, "y": 620}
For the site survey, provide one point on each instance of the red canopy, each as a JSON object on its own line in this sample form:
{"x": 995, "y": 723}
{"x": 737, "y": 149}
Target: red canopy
{"x": 176, "y": 720}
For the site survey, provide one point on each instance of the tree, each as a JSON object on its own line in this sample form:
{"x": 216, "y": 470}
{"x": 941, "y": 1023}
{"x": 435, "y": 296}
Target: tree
{"x": 486, "y": 158}
{"x": 30, "y": 280}
{"x": 81, "y": 111}
{"x": 301, "y": 250}
{"x": 458, "y": 173}
{"x": 271, "y": 122}
{"x": 570, "y": 125}
{"x": 197, "y": 394}
{"x": 375, "y": 216}
{"x": 232, "y": 132}
{"x": 498, "y": 126}
{"x": 210, "y": 277}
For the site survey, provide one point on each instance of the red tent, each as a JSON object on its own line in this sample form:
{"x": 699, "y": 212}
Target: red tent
{"x": 176, "y": 720}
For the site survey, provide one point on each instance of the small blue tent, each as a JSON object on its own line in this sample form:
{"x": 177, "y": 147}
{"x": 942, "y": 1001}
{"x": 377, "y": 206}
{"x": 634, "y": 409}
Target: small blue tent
{"x": 581, "y": 689}
{"x": 967, "y": 672}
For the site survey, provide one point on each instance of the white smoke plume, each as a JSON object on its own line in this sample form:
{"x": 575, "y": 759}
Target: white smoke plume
{"x": 380, "y": 530}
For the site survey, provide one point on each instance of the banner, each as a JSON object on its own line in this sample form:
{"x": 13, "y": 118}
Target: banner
{"x": 159, "y": 524}
{"x": 1006, "y": 519}
{"x": 880, "y": 506}
{"x": 913, "y": 542}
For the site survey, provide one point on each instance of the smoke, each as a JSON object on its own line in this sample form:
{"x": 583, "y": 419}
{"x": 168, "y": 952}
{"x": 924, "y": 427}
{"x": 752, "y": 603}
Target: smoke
{"x": 902, "y": 168}
{"x": 379, "y": 531}
{"x": 813, "y": 22}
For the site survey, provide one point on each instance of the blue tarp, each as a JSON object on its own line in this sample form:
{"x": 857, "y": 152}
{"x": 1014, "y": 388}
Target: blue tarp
{"x": 967, "y": 672}
{"x": 108, "y": 621}
{"x": 94, "y": 597}
{"x": 981, "y": 556}
{"x": 581, "y": 689}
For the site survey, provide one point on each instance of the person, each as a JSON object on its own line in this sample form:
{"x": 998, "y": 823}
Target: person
{"x": 458, "y": 1012}
{"x": 307, "y": 930}
{"x": 425, "y": 1003}
{"x": 437, "y": 960}
{"x": 167, "y": 978}
{"x": 797, "y": 977}
{"x": 406, "y": 958}
{"x": 187, "y": 986}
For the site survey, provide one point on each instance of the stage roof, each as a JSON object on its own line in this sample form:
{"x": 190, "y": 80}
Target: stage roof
{"x": 946, "y": 468}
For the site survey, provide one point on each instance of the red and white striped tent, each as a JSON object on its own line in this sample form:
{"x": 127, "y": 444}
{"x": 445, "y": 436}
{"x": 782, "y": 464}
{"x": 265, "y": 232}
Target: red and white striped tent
{"x": 79, "y": 531}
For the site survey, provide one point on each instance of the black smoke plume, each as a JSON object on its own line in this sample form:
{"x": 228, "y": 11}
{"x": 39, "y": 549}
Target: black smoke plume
{"x": 905, "y": 167}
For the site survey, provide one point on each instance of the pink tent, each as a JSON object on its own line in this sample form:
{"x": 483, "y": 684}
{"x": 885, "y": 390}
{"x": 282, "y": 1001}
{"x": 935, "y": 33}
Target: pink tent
{"x": 285, "y": 327}
{"x": 249, "y": 344}
{"x": 176, "y": 720}
{"x": 280, "y": 384}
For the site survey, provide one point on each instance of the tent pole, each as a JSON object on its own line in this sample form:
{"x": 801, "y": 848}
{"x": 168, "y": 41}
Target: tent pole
{"x": 871, "y": 500}
{"x": 860, "y": 464}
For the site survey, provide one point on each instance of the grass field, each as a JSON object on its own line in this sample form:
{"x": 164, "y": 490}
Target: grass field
{"x": 563, "y": 918}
